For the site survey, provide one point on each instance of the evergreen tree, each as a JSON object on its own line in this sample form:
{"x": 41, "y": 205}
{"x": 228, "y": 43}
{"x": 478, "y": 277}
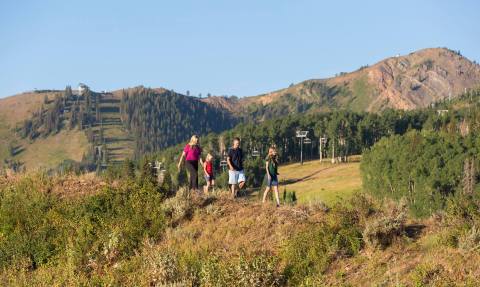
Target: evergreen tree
{"x": 128, "y": 169}
{"x": 147, "y": 173}
{"x": 167, "y": 184}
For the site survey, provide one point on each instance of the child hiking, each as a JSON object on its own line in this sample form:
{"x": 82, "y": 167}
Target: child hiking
{"x": 209, "y": 176}
{"x": 271, "y": 167}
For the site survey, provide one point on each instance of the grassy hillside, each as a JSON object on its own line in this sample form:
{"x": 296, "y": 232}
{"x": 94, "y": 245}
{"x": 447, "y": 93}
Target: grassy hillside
{"x": 51, "y": 151}
{"x": 44, "y": 152}
{"x": 74, "y": 231}
{"x": 326, "y": 182}
{"x": 47, "y": 151}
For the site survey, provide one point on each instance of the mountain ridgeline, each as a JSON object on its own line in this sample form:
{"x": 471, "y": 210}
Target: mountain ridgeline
{"x": 109, "y": 127}
{"x": 405, "y": 82}
{"x": 161, "y": 118}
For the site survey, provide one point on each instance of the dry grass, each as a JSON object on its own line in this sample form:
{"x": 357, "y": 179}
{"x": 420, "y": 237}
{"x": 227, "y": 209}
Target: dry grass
{"x": 230, "y": 227}
{"x": 50, "y": 151}
{"x": 17, "y": 108}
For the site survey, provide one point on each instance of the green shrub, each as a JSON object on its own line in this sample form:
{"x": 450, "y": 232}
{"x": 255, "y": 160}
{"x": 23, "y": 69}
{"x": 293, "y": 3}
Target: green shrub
{"x": 27, "y": 229}
{"x": 470, "y": 240}
{"x": 257, "y": 270}
{"x": 86, "y": 233}
{"x": 311, "y": 251}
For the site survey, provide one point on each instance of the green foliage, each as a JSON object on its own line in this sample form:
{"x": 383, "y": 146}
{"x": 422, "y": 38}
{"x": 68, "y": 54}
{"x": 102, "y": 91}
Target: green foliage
{"x": 211, "y": 270}
{"x": 147, "y": 173}
{"x": 311, "y": 251}
{"x": 98, "y": 229}
{"x": 26, "y": 225}
{"x": 128, "y": 169}
{"x": 289, "y": 197}
{"x": 425, "y": 168}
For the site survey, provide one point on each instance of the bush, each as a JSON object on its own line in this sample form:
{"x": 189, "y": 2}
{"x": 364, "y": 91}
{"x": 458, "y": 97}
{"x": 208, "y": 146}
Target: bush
{"x": 311, "y": 251}
{"x": 384, "y": 228}
{"x": 470, "y": 240}
{"x": 180, "y": 206}
{"x": 161, "y": 265}
{"x": 27, "y": 227}
{"x": 257, "y": 270}
{"x": 86, "y": 233}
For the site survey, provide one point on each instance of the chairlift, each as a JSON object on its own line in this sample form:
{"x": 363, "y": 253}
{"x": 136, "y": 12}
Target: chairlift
{"x": 301, "y": 134}
{"x": 255, "y": 152}
{"x": 223, "y": 164}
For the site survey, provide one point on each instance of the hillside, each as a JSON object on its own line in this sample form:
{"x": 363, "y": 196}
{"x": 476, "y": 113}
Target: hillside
{"x": 83, "y": 231}
{"x": 326, "y": 182}
{"x": 154, "y": 118}
{"x": 403, "y": 82}
{"x": 44, "y": 152}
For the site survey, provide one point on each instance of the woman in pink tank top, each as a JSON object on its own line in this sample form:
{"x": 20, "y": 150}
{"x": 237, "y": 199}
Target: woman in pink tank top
{"x": 192, "y": 154}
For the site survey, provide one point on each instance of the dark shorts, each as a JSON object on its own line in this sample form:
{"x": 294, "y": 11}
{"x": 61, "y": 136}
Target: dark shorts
{"x": 273, "y": 181}
{"x": 209, "y": 177}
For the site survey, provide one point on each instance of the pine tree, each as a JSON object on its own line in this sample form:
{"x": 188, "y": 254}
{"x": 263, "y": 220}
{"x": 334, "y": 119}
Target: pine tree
{"x": 468, "y": 176}
{"x": 68, "y": 92}
{"x": 128, "y": 169}
{"x": 148, "y": 174}
{"x": 167, "y": 184}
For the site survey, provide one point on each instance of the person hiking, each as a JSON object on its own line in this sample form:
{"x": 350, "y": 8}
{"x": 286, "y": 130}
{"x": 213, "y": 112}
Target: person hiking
{"x": 192, "y": 154}
{"x": 208, "y": 171}
{"x": 236, "y": 176}
{"x": 271, "y": 167}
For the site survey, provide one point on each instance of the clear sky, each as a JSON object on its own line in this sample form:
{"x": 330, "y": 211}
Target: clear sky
{"x": 240, "y": 48}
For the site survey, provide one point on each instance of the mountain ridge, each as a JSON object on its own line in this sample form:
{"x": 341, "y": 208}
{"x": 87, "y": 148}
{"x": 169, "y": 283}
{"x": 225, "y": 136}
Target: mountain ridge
{"x": 401, "y": 82}
{"x": 404, "y": 82}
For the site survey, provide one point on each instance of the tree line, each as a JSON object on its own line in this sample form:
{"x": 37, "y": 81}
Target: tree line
{"x": 161, "y": 119}
{"x": 431, "y": 166}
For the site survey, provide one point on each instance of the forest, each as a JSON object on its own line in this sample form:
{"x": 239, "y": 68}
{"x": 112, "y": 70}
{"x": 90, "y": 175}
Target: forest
{"x": 158, "y": 120}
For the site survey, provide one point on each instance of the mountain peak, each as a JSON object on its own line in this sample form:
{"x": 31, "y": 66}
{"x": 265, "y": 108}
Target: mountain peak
{"x": 404, "y": 82}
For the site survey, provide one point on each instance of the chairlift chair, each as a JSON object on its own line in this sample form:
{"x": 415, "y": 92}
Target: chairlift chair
{"x": 255, "y": 152}
{"x": 301, "y": 134}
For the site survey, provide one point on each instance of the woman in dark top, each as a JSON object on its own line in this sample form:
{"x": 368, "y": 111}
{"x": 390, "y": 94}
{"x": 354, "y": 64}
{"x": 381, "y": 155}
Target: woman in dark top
{"x": 271, "y": 167}
{"x": 192, "y": 154}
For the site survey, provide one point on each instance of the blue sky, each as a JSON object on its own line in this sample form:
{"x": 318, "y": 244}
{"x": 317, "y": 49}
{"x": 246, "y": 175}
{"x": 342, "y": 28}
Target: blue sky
{"x": 240, "y": 48}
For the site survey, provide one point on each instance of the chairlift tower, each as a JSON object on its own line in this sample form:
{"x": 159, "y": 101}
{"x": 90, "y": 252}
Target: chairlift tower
{"x": 308, "y": 141}
{"x": 223, "y": 162}
{"x": 322, "y": 142}
{"x": 302, "y": 135}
